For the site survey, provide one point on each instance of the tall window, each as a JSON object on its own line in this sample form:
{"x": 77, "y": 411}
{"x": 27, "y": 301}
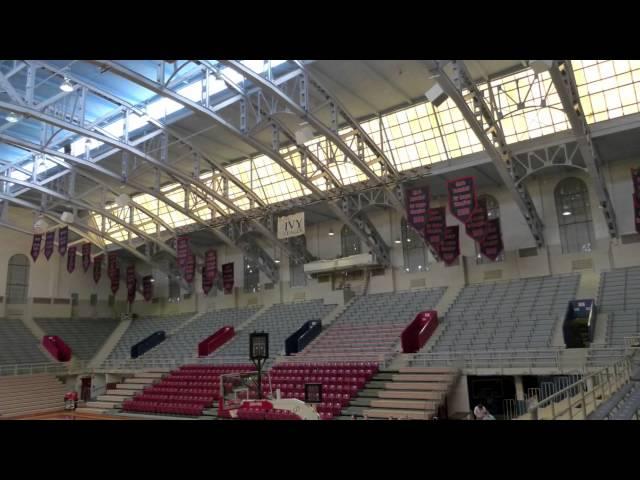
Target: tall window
{"x": 574, "y": 216}
{"x": 251, "y": 276}
{"x": 18, "y": 279}
{"x": 351, "y": 244}
{"x": 415, "y": 252}
{"x": 493, "y": 211}
{"x": 297, "y": 277}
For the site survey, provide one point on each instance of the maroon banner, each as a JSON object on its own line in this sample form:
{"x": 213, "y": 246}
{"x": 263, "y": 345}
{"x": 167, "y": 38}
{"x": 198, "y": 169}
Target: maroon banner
{"x": 147, "y": 288}
{"x": 97, "y": 267}
{"x": 71, "y": 259}
{"x": 491, "y": 246}
{"x": 462, "y": 197}
{"x": 476, "y": 225}
{"x": 636, "y": 211}
{"x": 190, "y": 269}
{"x": 635, "y": 176}
{"x": 86, "y": 256}
{"x": 48, "y": 244}
{"x": 450, "y": 246}
{"x": 417, "y": 201}
{"x": 63, "y": 240}
{"x": 114, "y": 276}
{"x": 36, "y": 245}
{"x": 183, "y": 251}
{"x": 209, "y": 270}
{"x": 227, "y": 277}
{"x": 434, "y": 228}
{"x": 131, "y": 283}
{"x": 112, "y": 264}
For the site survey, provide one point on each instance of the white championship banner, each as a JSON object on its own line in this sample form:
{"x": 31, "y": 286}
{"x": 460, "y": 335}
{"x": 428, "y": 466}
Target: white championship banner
{"x": 291, "y": 225}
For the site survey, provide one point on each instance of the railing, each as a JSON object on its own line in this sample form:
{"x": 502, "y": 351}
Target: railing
{"x": 632, "y": 341}
{"x": 494, "y": 359}
{"x": 40, "y": 368}
{"x": 579, "y": 400}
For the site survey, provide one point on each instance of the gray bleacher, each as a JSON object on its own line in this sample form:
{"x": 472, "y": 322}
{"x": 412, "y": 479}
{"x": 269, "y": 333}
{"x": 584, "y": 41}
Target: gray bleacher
{"x": 18, "y": 345}
{"x": 141, "y": 328}
{"x": 84, "y": 336}
{"x": 391, "y": 307}
{"x": 280, "y": 321}
{"x": 185, "y": 342}
{"x": 512, "y": 315}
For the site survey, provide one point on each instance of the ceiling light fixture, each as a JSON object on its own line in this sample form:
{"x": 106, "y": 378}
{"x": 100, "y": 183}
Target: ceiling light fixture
{"x": 66, "y": 85}
{"x": 277, "y": 260}
{"x": 331, "y": 234}
{"x": 398, "y": 240}
{"x": 566, "y": 213}
{"x": 12, "y": 118}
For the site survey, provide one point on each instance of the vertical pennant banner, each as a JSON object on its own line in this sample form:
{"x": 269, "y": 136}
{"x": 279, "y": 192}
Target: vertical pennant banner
{"x": 476, "y": 225}
{"x": 147, "y": 287}
{"x": 209, "y": 270}
{"x": 48, "y": 244}
{"x": 182, "y": 252}
{"x": 434, "y": 228}
{"x": 63, "y": 240}
{"x": 97, "y": 267}
{"x": 636, "y": 211}
{"x": 450, "y": 246}
{"x": 190, "y": 268}
{"x": 86, "y": 256}
{"x": 491, "y": 246}
{"x": 635, "y": 176}
{"x": 112, "y": 265}
{"x": 227, "y": 277}
{"x": 131, "y": 283}
{"x": 114, "y": 276}
{"x": 462, "y": 197}
{"x": 36, "y": 245}
{"x": 71, "y": 259}
{"x": 417, "y": 202}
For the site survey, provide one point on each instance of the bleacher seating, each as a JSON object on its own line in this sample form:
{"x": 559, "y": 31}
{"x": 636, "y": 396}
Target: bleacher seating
{"x": 185, "y": 341}
{"x": 142, "y": 328}
{"x": 84, "y": 336}
{"x": 371, "y": 326}
{"x": 619, "y": 298}
{"x": 18, "y": 345}
{"x": 28, "y": 394}
{"x": 280, "y": 321}
{"x": 186, "y": 391}
{"x": 512, "y": 315}
{"x": 340, "y": 382}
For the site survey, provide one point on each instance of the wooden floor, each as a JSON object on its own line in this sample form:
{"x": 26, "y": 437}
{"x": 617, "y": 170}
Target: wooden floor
{"x": 65, "y": 415}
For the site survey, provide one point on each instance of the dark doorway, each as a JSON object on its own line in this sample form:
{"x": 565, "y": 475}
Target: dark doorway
{"x": 85, "y": 389}
{"x": 491, "y": 392}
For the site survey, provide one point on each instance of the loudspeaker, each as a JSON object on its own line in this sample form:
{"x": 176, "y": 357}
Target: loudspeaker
{"x": 436, "y": 95}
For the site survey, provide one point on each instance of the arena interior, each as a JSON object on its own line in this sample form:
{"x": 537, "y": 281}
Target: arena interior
{"x": 270, "y": 240}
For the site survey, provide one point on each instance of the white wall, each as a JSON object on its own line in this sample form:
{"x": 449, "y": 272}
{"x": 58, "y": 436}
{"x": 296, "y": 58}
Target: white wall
{"x": 50, "y": 279}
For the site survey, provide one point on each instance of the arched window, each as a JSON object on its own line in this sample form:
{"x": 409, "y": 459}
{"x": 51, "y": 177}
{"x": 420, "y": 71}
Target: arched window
{"x": 351, "y": 244}
{"x": 493, "y": 211}
{"x": 574, "y": 216}
{"x": 18, "y": 279}
{"x": 416, "y": 254}
{"x": 251, "y": 276}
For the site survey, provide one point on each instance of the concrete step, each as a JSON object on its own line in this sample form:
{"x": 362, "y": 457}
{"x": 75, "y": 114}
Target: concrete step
{"x": 131, "y": 386}
{"x": 32, "y": 411}
{"x": 104, "y": 405}
{"x": 416, "y": 377}
{"x": 420, "y": 405}
{"x": 90, "y": 410}
{"x": 411, "y": 395}
{"x": 113, "y": 398}
{"x": 412, "y": 386}
{"x": 140, "y": 381}
{"x": 397, "y": 413}
{"x": 32, "y": 407}
{"x": 429, "y": 370}
{"x": 154, "y": 375}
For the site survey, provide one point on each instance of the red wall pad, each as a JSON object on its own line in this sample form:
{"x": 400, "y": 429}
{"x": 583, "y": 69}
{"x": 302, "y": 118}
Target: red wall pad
{"x": 215, "y": 341}
{"x": 419, "y": 331}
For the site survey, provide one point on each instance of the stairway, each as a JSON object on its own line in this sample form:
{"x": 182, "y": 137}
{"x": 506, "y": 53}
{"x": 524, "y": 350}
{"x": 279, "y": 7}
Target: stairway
{"x": 410, "y": 393}
{"x": 112, "y": 399}
{"x": 28, "y": 394}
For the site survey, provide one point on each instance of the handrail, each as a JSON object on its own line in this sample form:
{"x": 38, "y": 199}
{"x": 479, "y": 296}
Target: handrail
{"x": 491, "y": 358}
{"x": 42, "y": 367}
{"x": 581, "y": 398}
{"x": 383, "y": 359}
